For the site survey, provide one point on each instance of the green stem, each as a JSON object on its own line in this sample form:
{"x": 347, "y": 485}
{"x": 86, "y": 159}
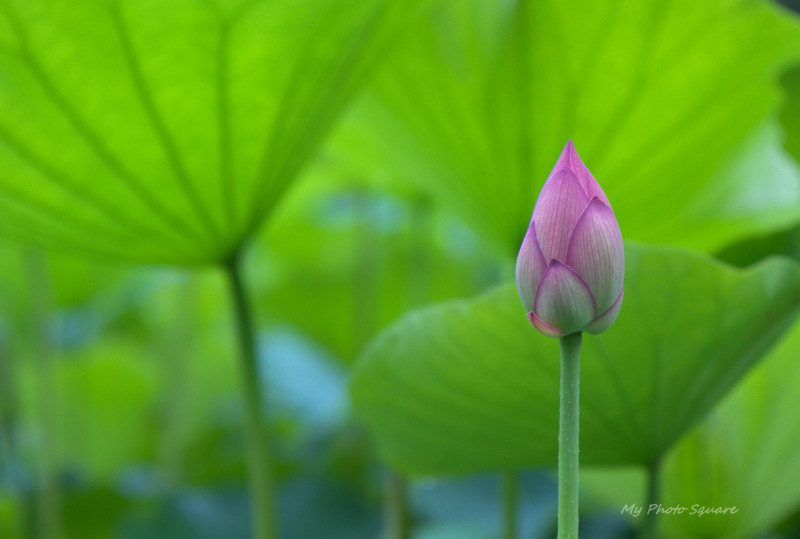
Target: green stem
{"x": 396, "y": 508}
{"x": 650, "y": 530}
{"x": 510, "y": 505}
{"x": 568, "y": 437}
{"x": 261, "y": 461}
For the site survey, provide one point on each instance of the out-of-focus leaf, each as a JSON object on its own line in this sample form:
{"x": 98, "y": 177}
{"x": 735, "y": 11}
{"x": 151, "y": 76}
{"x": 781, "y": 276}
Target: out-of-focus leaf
{"x": 744, "y": 454}
{"x": 106, "y": 409}
{"x": 341, "y": 261}
{"x": 790, "y": 114}
{"x": 444, "y": 506}
{"x": 303, "y": 381}
{"x": 468, "y": 386}
{"x": 783, "y": 242}
{"x": 73, "y": 281}
{"x": 10, "y": 516}
{"x": 338, "y": 514}
{"x": 658, "y": 98}
{"x": 103, "y": 504}
{"x": 193, "y": 513}
{"x": 757, "y": 191}
{"x": 164, "y": 130}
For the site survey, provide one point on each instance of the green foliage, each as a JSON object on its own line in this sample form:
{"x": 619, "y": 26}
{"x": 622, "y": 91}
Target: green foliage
{"x": 9, "y": 521}
{"x": 784, "y": 242}
{"x": 744, "y": 454}
{"x": 164, "y": 131}
{"x": 341, "y": 261}
{"x": 790, "y": 114}
{"x": 469, "y": 386}
{"x": 73, "y": 281}
{"x": 105, "y": 419}
{"x": 658, "y": 98}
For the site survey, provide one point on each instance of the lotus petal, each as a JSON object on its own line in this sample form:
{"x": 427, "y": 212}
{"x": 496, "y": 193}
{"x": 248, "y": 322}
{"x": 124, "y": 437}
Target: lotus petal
{"x": 564, "y": 300}
{"x": 597, "y": 254}
{"x": 543, "y": 328}
{"x": 604, "y": 321}
{"x": 531, "y": 266}
{"x": 558, "y": 208}
{"x": 570, "y": 159}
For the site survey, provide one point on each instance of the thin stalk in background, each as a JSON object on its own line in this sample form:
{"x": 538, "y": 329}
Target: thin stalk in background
{"x": 568, "y": 437}
{"x": 420, "y": 257}
{"x": 261, "y": 469}
{"x": 396, "y": 516}
{"x": 48, "y": 497}
{"x": 510, "y": 505}
{"x": 366, "y": 267}
{"x": 9, "y": 414}
{"x": 650, "y": 530}
{"x": 178, "y": 345}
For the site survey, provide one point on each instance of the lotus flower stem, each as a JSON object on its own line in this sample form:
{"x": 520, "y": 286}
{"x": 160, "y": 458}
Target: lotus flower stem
{"x": 568, "y": 437}
{"x": 260, "y": 454}
{"x": 510, "y": 505}
{"x": 650, "y": 530}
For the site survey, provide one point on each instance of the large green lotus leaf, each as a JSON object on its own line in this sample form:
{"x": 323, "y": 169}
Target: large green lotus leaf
{"x": 164, "y": 130}
{"x": 756, "y": 192}
{"x": 659, "y": 98}
{"x": 744, "y": 454}
{"x": 470, "y": 385}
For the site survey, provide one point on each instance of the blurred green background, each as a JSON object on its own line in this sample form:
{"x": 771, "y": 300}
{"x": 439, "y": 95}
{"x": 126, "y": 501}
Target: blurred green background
{"x": 368, "y": 158}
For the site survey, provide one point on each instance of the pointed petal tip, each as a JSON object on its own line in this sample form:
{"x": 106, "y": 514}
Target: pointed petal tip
{"x": 567, "y": 158}
{"x": 599, "y": 204}
{"x": 557, "y": 209}
{"x": 555, "y": 264}
{"x": 570, "y": 159}
{"x": 607, "y": 319}
{"x": 543, "y": 328}
{"x": 602, "y": 201}
{"x": 572, "y": 152}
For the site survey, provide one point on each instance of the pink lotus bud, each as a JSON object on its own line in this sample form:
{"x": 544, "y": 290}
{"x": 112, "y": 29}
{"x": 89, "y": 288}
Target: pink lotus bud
{"x": 571, "y": 265}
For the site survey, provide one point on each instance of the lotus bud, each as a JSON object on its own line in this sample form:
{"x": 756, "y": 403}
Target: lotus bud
{"x": 571, "y": 265}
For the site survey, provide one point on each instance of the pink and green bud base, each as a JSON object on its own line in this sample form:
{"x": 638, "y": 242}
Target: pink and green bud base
{"x": 571, "y": 265}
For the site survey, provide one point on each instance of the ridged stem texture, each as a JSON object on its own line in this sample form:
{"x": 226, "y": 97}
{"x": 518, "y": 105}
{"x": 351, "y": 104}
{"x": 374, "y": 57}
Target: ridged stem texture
{"x": 568, "y": 437}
